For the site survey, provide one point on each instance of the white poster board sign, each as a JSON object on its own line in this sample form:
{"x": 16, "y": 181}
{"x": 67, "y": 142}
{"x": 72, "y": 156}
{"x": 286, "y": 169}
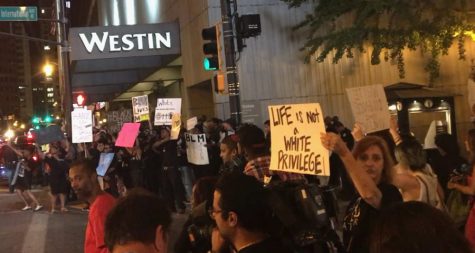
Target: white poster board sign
{"x": 370, "y": 107}
{"x": 140, "y": 108}
{"x": 196, "y": 150}
{"x": 81, "y": 124}
{"x": 165, "y": 109}
{"x": 191, "y": 123}
{"x": 295, "y": 139}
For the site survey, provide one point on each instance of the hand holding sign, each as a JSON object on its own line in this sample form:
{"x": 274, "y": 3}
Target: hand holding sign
{"x": 333, "y": 142}
{"x": 176, "y": 125}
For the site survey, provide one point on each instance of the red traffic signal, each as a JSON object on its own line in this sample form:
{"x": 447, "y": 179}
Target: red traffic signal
{"x": 80, "y": 99}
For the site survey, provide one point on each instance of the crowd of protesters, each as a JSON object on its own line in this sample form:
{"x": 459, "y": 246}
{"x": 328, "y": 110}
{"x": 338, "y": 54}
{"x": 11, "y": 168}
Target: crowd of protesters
{"x": 387, "y": 177}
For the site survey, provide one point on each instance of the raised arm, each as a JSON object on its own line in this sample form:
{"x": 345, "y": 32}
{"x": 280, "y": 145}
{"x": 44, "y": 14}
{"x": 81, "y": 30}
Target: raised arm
{"x": 393, "y": 130}
{"x": 365, "y": 186}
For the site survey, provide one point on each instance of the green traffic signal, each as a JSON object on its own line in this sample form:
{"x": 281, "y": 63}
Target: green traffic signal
{"x": 48, "y": 119}
{"x": 36, "y": 120}
{"x": 210, "y": 63}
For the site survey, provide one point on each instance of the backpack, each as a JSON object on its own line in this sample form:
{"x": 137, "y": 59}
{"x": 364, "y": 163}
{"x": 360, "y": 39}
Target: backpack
{"x": 302, "y": 218}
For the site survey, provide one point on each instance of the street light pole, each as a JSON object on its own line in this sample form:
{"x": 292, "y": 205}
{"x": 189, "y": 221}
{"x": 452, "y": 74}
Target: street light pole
{"x": 63, "y": 64}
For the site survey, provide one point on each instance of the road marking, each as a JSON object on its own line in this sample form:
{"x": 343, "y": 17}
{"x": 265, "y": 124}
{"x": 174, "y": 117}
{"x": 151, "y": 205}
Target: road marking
{"x": 35, "y": 237}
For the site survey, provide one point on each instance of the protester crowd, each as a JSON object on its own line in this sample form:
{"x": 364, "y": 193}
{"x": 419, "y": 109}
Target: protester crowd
{"x": 401, "y": 197}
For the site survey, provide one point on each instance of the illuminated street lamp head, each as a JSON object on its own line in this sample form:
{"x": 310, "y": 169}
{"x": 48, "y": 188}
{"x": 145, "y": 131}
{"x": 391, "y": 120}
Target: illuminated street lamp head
{"x": 48, "y": 70}
{"x": 9, "y": 134}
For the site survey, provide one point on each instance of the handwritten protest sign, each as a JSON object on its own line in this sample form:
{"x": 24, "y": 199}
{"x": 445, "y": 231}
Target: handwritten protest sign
{"x": 140, "y": 108}
{"x": 48, "y": 134}
{"x": 104, "y": 162}
{"x": 191, "y": 123}
{"x": 176, "y": 126}
{"x": 295, "y": 139}
{"x": 115, "y": 119}
{"x": 81, "y": 125}
{"x": 195, "y": 149}
{"x": 127, "y": 135}
{"x": 370, "y": 107}
{"x": 165, "y": 109}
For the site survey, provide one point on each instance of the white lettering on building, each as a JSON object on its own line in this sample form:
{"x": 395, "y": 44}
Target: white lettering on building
{"x": 126, "y": 42}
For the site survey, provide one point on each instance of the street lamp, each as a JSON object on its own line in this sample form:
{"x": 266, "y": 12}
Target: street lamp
{"x": 48, "y": 69}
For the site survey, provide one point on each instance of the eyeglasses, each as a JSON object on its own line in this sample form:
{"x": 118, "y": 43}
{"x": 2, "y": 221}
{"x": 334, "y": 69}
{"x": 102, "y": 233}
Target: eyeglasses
{"x": 211, "y": 212}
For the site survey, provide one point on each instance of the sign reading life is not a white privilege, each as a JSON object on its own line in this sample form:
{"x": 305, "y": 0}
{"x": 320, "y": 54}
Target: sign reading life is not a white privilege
{"x": 81, "y": 126}
{"x": 196, "y": 150}
{"x": 295, "y": 139}
{"x": 140, "y": 108}
{"x": 370, "y": 107}
{"x": 165, "y": 109}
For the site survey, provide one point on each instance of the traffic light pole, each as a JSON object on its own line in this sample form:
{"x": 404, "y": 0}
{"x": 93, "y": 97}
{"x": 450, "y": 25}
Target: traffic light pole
{"x": 63, "y": 64}
{"x": 231, "y": 68}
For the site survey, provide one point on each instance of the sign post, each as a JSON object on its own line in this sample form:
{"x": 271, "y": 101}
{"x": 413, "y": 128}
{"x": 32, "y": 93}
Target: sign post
{"x": 18, "y": 13}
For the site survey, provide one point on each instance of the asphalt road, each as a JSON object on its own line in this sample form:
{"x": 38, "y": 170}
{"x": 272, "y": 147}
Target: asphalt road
{"x": 42, "y": 232}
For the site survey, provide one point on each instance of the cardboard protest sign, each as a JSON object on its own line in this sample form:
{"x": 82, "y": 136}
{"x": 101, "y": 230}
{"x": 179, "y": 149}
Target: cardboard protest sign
{"x": 165, "y": 109}
{"x": 115, "y": 119}
{"x": 370, "y": 107}
{"x": 196, "y": 151}
{"x": 295, "y": 139}
{"x": 176, "y": 126}
{"x": 81, "y": 126}
{"x": 140, "y": 108}
{"x": 105, "y": 161}
{"x": 191, "y": 123}
{"x": 48, "y": 134}
{"x": 127, "y": 135}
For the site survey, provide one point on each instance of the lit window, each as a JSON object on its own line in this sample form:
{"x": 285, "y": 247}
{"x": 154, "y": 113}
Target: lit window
{"x": 50, "y": 95}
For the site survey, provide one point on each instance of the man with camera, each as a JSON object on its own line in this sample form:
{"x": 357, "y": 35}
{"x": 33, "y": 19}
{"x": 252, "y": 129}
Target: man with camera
{"x": 241, "y": 213}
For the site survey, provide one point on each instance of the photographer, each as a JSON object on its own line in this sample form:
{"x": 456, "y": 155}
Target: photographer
{"x": 196, "y": 233}
{"x": 241, "y": 213}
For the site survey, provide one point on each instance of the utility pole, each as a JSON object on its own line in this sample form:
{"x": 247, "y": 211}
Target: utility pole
{"x": 63, "y": 64}
{"x": 231, "y": 68}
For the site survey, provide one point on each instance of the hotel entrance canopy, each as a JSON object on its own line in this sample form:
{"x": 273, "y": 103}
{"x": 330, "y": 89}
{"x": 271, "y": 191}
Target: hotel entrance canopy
{"x": 106, "y": 61}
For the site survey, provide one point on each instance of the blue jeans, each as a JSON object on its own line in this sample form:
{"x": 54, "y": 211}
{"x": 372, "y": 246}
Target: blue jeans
{"x": 187, "y": 177}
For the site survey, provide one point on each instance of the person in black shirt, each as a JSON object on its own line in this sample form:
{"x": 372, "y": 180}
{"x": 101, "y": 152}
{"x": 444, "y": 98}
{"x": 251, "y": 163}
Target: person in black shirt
{"x": 241, "y": 213}
{"x": 368, "y": 168}
{"x": 172, "y": 186}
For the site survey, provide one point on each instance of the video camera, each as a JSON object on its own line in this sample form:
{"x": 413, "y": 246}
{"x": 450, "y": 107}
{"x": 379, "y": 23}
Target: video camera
{"x": 304, "y": 213}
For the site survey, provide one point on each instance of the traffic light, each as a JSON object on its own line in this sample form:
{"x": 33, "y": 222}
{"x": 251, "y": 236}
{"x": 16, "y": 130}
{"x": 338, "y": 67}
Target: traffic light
{"x": 36, "y": 120}
{"x": 219, "y": 85}
{"x": 48, "y": 119}
{"x": 212, "y": 48}
{"x": 80, "y": 99}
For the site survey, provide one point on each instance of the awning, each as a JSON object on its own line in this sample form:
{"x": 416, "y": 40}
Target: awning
{"x": 409, "y": 90}
{"x": 106, "y": 61}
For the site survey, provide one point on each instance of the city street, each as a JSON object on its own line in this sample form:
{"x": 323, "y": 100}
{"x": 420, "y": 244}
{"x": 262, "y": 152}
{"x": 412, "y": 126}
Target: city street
{"x": 42, "y": 232}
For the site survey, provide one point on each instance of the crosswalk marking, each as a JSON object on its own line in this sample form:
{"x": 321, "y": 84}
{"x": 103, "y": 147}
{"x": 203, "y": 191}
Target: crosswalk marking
{"x": 35, "y": 237}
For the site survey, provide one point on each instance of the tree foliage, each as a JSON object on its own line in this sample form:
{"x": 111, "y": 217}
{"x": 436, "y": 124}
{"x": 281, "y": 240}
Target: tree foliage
{"x": 387, "y": 27}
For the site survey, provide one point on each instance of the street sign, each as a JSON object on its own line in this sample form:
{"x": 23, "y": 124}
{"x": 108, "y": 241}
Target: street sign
{"x": 18, "y": 13}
